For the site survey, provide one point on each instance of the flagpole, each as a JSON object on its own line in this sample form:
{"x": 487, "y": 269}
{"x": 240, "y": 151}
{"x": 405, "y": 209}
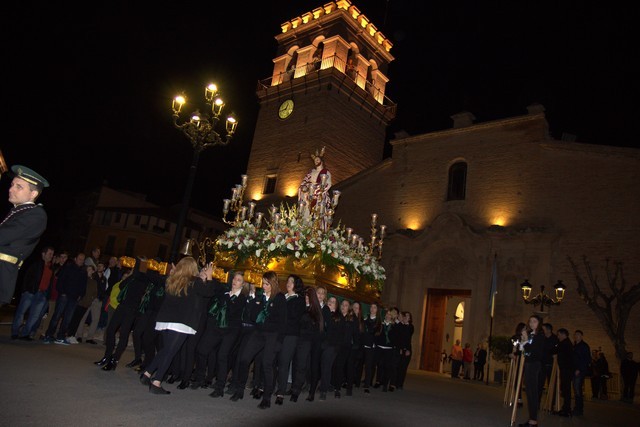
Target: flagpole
{"x": 489, "y": 352}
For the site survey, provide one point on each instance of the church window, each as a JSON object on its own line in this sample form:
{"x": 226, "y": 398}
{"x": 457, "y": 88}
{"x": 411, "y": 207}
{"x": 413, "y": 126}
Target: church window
{"x": 270, "y": 184}
{"x": 457, "y": 181}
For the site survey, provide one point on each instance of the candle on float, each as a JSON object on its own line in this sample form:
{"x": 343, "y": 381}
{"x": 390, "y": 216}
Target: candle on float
{"x": 354, "y": 239}
{"x": 244, "y": 180}
{"x": 225, "y": 205}
{"x": 243, "y": 213}
{"x": 234, "y": 194}
{"x": 259, "y": 219}
{"x": 374, "y": 219}
{"x": 383, "y": 231}
{"x": 276, "y": 218}
{"x": 336, "y": 196}
{"x": 252, "y": 207}
{"x": 349, "y": 231}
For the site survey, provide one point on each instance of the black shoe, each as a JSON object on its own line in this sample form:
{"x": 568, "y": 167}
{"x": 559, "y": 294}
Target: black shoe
{"x": 183, "y": 384}
{"x": 254, "y": 391}
{"x": 111, "y": 365}
{"x": 266, "y": 403}
{"x": 564, "y": 413}
{"x": 207, "y": 384}
{"x": 172, "y": 379}
{"x": 337, "y": 394}
{"x": 134, "y": 363}
{"x": 294, "y": 397}
{"x": 279, "y": 400}
{"x": 258, "y": 394}
{"x": 94, "y": 342}
{"x": 25, "y": 338}
{"x": 236, "y": 396}
{"x": 216, "y": 393}
{"x": 367, "y": 391}
{"x": 392, "y": 388}
{"x": 384, "y": 389}
{"x": 102, "y": 361}
{"x": 377, "y": 385}
{"x": 194, "y": 385}
{"x": 323, "y": 395}
{"x": 311, "y": 397}
{"x": 145, "y": 380}
{"x": 155, "y": 389}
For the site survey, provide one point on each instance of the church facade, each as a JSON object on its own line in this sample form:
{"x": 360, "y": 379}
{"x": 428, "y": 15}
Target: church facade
{"x": 454, "y": 201}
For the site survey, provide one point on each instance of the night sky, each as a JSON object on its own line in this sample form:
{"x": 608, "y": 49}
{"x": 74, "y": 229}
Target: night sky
{"x": 87, "y": 92}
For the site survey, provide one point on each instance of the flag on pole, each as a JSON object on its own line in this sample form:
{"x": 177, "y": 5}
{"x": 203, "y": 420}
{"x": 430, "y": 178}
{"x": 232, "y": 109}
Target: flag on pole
{"x": 494, "y": 285}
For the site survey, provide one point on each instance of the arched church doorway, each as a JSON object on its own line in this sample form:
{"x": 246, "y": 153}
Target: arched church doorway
{"x": 444, "y": 324}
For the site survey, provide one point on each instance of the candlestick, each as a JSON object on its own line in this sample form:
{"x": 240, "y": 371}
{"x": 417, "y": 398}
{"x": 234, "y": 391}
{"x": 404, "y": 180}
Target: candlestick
{"x": 243, "y": 213}
{"x": 336, "y": 196}
{"x": 259, "y": 219}
{"x": 349, "y": 231}
{"x": 252, "y": 207}
{"x": 244, "y": 180}
{"x": 374, "y": 219}
{"x": 225, "y": 206}
{"x": 383, "y": 231}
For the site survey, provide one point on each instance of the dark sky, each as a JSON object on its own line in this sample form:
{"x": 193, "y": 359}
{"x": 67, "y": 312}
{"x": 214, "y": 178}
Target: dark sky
{"x": 88, "y": 91}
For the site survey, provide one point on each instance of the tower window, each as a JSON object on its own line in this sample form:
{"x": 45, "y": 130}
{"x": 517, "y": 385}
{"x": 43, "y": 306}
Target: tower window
{"x": 270, "y": 184}
{"x": 457, "y": 181}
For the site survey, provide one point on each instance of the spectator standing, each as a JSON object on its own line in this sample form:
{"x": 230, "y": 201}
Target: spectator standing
{"x": 629, "y": 374}
{"x": 456, "y": 359}
{"x": 37, "y": 280}
{"x": 564, "y": 352}
{"x": 582, "y": 363}
{"x": 479, "y": 360}
{"x": 72, "y": 285}
{"x": 467, "y": 360}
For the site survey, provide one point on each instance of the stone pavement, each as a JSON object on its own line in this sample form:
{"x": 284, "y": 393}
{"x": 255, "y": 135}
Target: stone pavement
{"x": 55, "y": 385}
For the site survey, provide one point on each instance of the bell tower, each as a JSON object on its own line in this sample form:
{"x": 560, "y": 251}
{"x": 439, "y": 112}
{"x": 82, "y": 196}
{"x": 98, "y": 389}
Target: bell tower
{"x": 327, "y": 90}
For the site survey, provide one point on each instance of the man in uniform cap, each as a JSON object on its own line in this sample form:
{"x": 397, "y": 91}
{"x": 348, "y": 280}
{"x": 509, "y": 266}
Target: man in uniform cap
{"x": 21, "y": 229}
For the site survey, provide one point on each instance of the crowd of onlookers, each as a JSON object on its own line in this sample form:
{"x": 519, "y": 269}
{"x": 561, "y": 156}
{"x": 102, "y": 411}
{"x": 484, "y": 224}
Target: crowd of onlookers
{"x": 292, "y": 337}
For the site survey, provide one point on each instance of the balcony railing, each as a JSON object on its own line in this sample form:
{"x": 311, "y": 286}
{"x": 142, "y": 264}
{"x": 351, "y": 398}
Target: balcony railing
{"x": 336, "y": 63}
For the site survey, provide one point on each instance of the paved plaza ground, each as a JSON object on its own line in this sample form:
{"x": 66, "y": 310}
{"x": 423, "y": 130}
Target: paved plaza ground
{"x": 55, "y": 385}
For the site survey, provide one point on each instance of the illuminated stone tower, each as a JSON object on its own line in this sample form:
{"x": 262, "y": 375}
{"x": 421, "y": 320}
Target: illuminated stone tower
{"x": 327, "y": 90}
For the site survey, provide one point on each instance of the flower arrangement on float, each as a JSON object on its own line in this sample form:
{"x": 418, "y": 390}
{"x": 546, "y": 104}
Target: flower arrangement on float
{"x": 306, "y": 243}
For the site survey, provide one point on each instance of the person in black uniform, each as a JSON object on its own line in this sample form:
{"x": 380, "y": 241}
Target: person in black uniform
{"x": 248, "y": 319}
{"x": 550, "y": 345}
{"x": 532, "y": 345}
{"x": 384, "y": 351}
{"x": 405, "y": 349}
{"x": 222, "y": 333}
{"x": 356, "y": 348}
{"x": 295, "y": 307}
{"x": 187, "y": 292}
{"x": 372, "y": 327}
{"x": 21, "y": 229}
{"x": 151, "y": 339}
{"x": 311, "y": 326}
{"x": 334, "y": 336}
{"x": 271, "y": 323}
{"x": 343, "y": 367}
{"x": 131, "y": 291}
{"x": 564, "y": 351}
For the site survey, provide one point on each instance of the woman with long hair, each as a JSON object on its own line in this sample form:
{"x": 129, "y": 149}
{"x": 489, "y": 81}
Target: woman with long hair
{"x": 271, "y": 322}
{"x": 532, "y": 345}
{"x": 311, "y": 326}
{"x": 187, "y": 292}
{"x": 295, "y": 307}
{"x": 357, "y": 348}
{"x": 332, "y": 340}
{"x": 372, "y": 326}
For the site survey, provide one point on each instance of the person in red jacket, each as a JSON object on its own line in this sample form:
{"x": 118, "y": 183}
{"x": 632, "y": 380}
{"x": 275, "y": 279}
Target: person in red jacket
{"x": 467, "y": 360}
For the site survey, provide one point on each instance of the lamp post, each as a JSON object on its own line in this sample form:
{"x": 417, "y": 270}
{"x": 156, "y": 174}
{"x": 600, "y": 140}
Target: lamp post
{"x": 200, "y": 130}
{"x": 542, "y": 299}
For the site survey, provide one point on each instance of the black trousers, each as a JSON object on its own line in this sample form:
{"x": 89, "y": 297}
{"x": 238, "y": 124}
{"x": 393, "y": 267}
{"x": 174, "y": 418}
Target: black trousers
{"x": 343, "y": 368}
{"x": 138, "y": 331}
{"x": 629, "y": 386}
{"x": 358, "y": 365}
{"x": 315, "y": 357}
{"x": 151, "y": 339}
{"x": 384, "y": 361}
{"x": 327, "y": 357}
{"x": 172, "y": 343}
{"x": 301, "y": 362}
{"x": 532, "y": 377}
{"x": 478, "y": 371}
{"x": 244, "y": 335}
{"x": 285, "y": 357}
{"x": 123, "y": 319}
{"x": 565, "y": 388}
{"x": 369, "y": 366}
{"x": 403, "y": 365}
{"x": 267, "y": 342}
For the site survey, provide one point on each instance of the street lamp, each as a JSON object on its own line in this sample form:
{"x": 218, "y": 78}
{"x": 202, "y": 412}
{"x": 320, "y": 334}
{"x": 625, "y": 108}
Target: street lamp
{"x": 542, "y": 299}
{"x": 200, "y": 130}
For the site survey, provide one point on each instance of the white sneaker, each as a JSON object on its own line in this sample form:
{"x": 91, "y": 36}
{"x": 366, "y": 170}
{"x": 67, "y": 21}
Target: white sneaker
{"x": 72, "y": 340}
